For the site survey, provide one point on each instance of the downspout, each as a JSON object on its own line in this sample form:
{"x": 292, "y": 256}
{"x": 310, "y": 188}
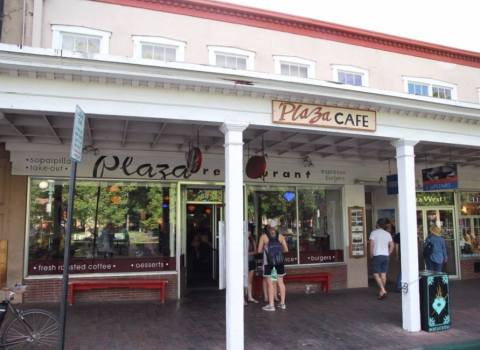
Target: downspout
{"x": 24, "y": 22}
{"x": 1, "y": 17}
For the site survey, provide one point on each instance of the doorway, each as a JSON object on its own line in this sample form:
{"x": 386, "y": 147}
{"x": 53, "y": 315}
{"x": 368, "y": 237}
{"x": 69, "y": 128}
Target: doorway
{"x": 443, "y": 217}
{"x": 203, "y": 209}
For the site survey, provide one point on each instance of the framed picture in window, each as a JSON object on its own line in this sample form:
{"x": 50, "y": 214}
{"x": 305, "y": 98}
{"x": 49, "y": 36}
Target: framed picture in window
{"x": 356, "y": 231}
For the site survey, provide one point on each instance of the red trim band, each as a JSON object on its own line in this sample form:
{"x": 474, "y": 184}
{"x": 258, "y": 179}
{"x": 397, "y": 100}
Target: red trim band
{"x": 253, "y": 17}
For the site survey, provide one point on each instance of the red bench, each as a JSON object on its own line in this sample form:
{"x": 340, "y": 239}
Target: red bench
{"x": 323, "y": 278}
{"x": 80, "y": 285}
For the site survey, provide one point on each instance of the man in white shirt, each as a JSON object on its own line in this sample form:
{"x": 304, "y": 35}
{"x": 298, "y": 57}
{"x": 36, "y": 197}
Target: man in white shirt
{"x": 381, "y": 246}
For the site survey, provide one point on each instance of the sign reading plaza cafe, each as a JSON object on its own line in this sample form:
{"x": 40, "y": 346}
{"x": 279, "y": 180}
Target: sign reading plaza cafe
{"x": 284, "y": 112}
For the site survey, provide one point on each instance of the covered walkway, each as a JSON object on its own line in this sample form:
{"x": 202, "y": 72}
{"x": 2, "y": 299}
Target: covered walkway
{"x": 345, "y": 319}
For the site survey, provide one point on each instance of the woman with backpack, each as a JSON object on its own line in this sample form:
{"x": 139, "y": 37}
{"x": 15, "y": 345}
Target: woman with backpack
{"x": 273, "y": 245}
{"x": 437, "y": 254}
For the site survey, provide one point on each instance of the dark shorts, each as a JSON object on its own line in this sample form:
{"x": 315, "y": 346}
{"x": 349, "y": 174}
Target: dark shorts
{"x": 380, "y": 264}
{"x": 267, "y": 270}
{"x": 252, "y": 266}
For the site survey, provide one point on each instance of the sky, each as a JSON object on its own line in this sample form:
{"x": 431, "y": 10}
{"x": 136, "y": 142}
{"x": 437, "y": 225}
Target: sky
{"x": 450, "y": 23}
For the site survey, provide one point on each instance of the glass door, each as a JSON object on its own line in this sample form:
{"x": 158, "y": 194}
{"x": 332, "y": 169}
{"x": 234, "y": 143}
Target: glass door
{"x": 445, "y": 219}
{"x": 203, "y": 209}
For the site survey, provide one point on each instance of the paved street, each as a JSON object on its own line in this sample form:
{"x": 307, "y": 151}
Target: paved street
{"x": 346, "y": 319}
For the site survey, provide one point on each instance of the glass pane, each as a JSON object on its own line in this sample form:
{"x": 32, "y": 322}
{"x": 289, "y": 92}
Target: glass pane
{"x": 358, "y": 80}
{"x": 294, "y": 71}
{"x": 158, "y": 53}
{"x": 341, "y": 77}
{"x": 147, "y": 51}
{"x": 118, "y": 227}
{"x": 93, "y": 45}
{"x": 241, "y": 63}
{"x": 320, "y": 226}
{"x": 411, "y": 88}
{"x": 68, "y": 42}
{"x": 80, "y": 44}
{"x": 421, "y": 239}
{"x": 448, "y": 94}
{"x": 170, "y": 54}
{"x": 231, "y": 62}
{"x": 303, "y": 72}
{"x": 284, "y": 69}
{"x": 221, "y": 60}
{"x": 267, "y": 203}
{"x": 435, "y": 92}
{"x": 424, "y": 90}
{"x": 444, "y": 220}
{"x": 204, "y": 195}
{"x": 349, "y": 78}
{"x": 469, "y": 223}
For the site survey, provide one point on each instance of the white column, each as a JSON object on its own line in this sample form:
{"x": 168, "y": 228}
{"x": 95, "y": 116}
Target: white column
{"x": 234, "y": 233}
{"x": 408, "y": 228}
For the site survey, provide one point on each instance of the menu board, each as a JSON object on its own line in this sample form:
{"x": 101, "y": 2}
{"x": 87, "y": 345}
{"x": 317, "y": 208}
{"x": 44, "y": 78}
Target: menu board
{"x": 356, "y": 226}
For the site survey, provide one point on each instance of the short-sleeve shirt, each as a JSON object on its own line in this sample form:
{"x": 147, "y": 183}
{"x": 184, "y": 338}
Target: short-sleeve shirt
{"x": 381, "y": 239}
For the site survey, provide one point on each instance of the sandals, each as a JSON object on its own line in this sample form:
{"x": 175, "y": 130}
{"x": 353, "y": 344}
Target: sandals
{"x": 382, "y": 296}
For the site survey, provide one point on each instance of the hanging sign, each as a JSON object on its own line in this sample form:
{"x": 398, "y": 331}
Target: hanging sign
{"x": 440, "y": 178}
{"x": 392, "y": 184}
{"x": 284, "y": 112}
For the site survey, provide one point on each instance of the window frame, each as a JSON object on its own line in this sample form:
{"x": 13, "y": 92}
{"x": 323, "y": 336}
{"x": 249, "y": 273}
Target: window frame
{"x": 336, "y": 68}
{"x": 430, "y": 83}
{"x": 278, "y": 60}
{"x": 214, "y": 50}
{"x": 139, "y": 40}
{"x": 59, "y": 30}
{"x": 281, "y": 187}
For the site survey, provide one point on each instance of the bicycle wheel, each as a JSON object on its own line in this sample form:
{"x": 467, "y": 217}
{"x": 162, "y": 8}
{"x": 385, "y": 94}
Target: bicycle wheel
{"x": 39, "y": 329}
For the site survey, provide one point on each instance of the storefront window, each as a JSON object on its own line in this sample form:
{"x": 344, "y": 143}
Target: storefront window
{"x": 320, "y": 230}
{"x": 117, "y": 227}
{"x": 469, "y": 223}
{"x": 310, "y": 220}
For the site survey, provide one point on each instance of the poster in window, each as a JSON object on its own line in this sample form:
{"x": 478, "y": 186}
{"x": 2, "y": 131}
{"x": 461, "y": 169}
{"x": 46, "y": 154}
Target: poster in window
{"x": 356, "y": 225}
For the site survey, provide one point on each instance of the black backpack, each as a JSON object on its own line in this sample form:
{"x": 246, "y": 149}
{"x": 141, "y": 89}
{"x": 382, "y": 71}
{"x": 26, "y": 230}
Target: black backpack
{"x": 275, "y": 251}
{"x": 427, "y": 249}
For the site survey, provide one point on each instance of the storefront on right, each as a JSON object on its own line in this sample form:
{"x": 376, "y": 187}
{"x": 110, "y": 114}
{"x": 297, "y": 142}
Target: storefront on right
{"x": 457, "y": 213}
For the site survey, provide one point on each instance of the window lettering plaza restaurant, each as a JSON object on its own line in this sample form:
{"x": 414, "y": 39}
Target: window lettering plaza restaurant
{"x": 181, "y": 158}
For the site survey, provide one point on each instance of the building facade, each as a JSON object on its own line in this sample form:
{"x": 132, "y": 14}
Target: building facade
{"x": 192, "y": 106}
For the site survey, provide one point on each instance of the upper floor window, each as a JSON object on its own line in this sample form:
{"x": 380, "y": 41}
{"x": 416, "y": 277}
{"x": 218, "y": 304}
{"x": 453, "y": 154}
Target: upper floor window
{"x": 430, "y": 87}
{"x": 80, "y": 39}
{"x": 228, "y": 57}
{"x": 350, "y": 75}
{"x": 160, "y": 49}
{"x": 294, "y": 66}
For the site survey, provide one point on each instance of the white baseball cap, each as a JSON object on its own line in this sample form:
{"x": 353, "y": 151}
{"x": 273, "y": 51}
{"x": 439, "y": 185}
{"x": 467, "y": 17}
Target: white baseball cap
{"x": 273, "y": 223}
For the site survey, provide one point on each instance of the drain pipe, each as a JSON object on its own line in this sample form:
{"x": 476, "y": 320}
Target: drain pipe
{"x": 24, "y": 22}
{"x": 1, "y": 18}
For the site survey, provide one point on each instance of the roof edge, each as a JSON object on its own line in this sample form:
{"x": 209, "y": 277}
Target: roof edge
{"x": 277, "y": 21}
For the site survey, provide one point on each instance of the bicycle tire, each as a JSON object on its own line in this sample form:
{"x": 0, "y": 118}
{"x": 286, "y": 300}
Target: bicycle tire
{"x": 45, "y": 330}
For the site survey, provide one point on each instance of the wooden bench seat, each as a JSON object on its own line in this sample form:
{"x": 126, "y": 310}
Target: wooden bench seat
{"x": 323, "y": 278}
{"x": 82, "y": 285}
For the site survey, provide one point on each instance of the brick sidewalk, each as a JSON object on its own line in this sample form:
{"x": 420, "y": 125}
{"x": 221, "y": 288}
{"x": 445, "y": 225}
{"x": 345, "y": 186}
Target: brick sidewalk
{"x": 346, "y": 319}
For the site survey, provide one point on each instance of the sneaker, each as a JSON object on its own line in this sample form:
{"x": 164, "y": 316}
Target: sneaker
{"x": 268, "y": 308}
{"x": 282, "y": 306}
